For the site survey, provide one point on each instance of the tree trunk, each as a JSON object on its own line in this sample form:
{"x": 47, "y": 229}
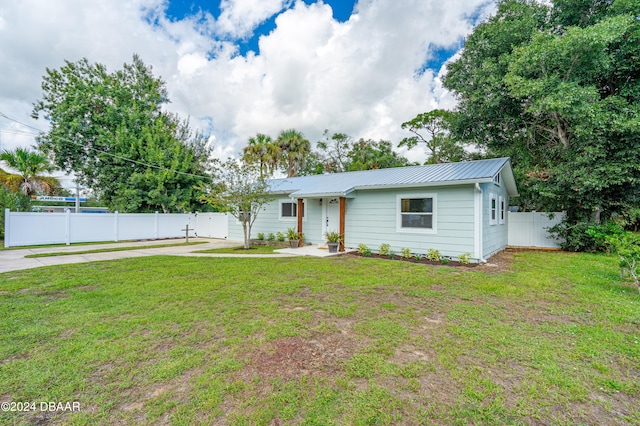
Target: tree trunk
{"x": 246, "y": 236}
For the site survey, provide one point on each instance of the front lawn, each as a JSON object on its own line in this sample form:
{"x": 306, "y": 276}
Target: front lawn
{"x": 555, "y": 339}
{"x": 241, "y": 250}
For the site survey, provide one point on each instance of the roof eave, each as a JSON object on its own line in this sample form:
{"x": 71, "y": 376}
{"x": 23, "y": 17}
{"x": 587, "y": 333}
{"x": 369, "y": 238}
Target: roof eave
{"x": 425, "y": 184}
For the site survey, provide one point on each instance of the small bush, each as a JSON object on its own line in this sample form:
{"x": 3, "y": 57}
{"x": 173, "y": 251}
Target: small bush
{"x": 280, "y": 236}
{"x": 406, "y": 253}
{"x": 445, "y": 260}
{"x": 417, "y": 256}
{"x": 584, "y": 236}
{"x": 464, "y": 258}
{"x": 392, "y": 255}
{"x": 362, "y": 248}
{"x": 333, "y": 237}
{"x": 261, "y": 236}
{"x": 292, "y": 234}
{"x": 271, "y": 237}
{"x": 384, "y": 249}
{"x": 434, "y": 255}
{"x": 627, "y": 247}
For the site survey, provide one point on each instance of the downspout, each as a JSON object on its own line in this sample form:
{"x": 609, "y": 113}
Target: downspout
{"x": 477, "y": 224}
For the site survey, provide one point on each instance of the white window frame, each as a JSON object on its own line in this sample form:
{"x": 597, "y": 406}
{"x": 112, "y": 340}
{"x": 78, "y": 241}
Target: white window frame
{"x": 496, "y": 179}
{"x": 434, "y": 214}
{"x": 501, "y": 210}
{"x": 291, "y": 218}
{"x": 493, "y": 209}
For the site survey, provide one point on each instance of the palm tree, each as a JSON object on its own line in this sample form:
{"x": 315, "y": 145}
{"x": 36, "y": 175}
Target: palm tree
{"x": 263, "y": 152}
{"x": 30, "y": 165}
{"x": 295, "y": 149}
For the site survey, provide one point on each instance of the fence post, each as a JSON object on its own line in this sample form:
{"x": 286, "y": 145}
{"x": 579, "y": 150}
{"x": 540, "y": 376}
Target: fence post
{"x": 116, "y": 226}
{"x": 157, "y": 225}
{"x": 7, "y": 228}
{"x": 68, "y": 226}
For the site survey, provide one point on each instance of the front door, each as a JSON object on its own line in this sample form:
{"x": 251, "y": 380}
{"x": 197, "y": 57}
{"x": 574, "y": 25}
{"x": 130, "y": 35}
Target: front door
{"x": 331, "y": 210}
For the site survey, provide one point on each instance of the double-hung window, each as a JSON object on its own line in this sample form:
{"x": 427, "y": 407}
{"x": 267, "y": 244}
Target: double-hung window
{"x": 289, "y": 210}
{"x": 416, "y": 213}
{"x": 493, "y": 206}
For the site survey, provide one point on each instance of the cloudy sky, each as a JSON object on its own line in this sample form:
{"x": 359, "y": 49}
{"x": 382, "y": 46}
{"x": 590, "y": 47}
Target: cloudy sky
{"x": 239, "y": 67}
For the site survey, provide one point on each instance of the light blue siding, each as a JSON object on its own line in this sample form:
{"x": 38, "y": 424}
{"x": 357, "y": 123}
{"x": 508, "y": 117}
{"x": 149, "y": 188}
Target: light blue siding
{"x": 494, "y": 237}
{"x": 269, "y": 221}
{"x": 371, "y": 220}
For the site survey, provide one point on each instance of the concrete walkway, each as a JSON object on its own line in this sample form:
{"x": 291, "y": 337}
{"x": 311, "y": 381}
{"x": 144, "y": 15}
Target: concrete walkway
{"x": 15, "y": 260}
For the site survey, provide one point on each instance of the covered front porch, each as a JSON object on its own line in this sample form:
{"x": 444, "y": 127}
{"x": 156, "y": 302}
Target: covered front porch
{"x": 333, "y": 216}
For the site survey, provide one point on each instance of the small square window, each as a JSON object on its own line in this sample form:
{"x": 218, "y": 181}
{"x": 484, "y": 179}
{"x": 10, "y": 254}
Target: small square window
{"x": 289, "y": 210}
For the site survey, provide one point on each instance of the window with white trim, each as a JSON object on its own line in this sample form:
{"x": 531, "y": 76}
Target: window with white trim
{"x": 502, "y": 209}
{"x": 493, "y": 209}
{"x": 289, "y": 210}
{"x": 496, "y": 179}
{"x": 416, "y": 213}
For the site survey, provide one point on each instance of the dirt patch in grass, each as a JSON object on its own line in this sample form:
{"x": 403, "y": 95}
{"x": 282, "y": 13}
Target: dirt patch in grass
{"x": 292, "y": 357}
{"x": 499, "y": 262}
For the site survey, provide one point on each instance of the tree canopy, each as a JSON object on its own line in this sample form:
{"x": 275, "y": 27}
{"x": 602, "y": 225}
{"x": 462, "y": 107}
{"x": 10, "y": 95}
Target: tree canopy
{"x": 30, "y": 167}
{"x": 294, "y": 149}
{"x": 110, "y": 130}
{"x": 241, "y": 190}
{"x": 554, "y": 85}
{"x": 432, "y": 129}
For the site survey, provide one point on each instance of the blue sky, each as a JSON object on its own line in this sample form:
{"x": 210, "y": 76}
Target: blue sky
{"x": 179, "y": 9}
{"x": 239, "y": 67}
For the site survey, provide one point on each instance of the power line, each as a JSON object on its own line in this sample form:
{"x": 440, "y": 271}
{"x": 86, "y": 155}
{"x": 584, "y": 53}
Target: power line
{"x": 17, "y": 132}
{"x": 106, "y": 153}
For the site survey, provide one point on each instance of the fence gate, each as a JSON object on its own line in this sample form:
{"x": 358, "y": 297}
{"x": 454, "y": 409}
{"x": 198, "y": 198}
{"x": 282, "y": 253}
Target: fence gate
{"x": 212, "y": 225}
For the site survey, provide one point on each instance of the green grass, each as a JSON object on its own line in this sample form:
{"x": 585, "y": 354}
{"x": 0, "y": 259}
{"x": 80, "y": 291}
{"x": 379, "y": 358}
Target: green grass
{"x": 345, "y": 340}
{"x": 241, "y": 250}
{"x": 106, "y": 250}
{"x": 2, "y": 247}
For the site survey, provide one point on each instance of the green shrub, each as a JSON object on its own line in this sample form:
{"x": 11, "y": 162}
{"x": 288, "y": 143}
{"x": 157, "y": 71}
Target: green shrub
{"x": 280, "y": 236}
{"x": 333, "y": 237}
{"x": 384, "y": 249}
{"x": 14, "y": 202}
{"x": 417, "y": 256}
{"x": 434, "y": 255}
{"x": 261, "y": 236}
{"x": 271, "y": 237}
{"x": 392, "y": 255}
{"x": 464, "y": 258}
{"x": 362, "y": 248}
{"x": 445, "y": 260}
{"x": 406, "y": 253}
{"x": 627, "y": 247}
{"x": 585, "y": 235}
{"x": 292, "y": 234}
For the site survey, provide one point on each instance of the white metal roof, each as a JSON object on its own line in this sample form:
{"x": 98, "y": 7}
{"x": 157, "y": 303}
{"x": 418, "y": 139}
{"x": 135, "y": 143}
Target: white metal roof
{"x": 343, "y": 184}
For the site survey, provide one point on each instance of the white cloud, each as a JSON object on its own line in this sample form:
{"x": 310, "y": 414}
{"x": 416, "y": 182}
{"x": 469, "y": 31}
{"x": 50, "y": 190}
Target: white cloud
{"x": 359, "y": 77}
{"x": 240, "y": 17}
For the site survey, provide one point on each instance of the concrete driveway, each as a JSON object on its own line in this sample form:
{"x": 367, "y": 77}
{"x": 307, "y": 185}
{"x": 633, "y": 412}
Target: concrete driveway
{"x": 14, "y": 259}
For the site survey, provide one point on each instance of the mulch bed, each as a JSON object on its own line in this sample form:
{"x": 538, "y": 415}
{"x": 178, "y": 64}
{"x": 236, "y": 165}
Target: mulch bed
{"x": 423, "y": 261}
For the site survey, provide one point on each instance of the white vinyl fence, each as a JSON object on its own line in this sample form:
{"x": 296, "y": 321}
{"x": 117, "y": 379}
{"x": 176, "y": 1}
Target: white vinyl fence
{"x": 24, "y": 229}
{"x": 529, "y": 229}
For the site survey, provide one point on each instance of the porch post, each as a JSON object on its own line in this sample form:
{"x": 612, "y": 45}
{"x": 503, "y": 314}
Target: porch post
{"x": 300, "y": 212}
{"x": 343, "y": 211}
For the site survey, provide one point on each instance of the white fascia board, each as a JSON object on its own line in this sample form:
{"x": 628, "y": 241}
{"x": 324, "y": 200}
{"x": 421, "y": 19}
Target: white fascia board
{"x": 425, "y": 184}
